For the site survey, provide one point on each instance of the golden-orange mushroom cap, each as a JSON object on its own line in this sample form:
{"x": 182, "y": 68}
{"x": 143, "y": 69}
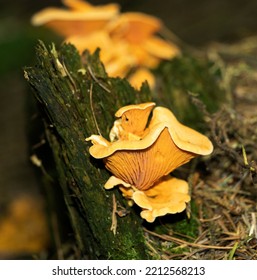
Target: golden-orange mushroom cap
{"x": 132, "y": 120}
{"x": 134, "y": 27}
{"x": 78, "y": 5}
{"x": 142, "y": 57}
{"x": 165, "y": 145}
{"x": 185, "y": 138}
{"x": 81, "y": 5}
{"x": 140, "y": 76}
{"x": 91, "y": 42}
{"x": 138, "y": 31}
{"x": 160, "y": 48}
{"x": 81, "y": 19}
{"x": 117, "y": 61}
{"x": 142, "y": 166}
{"x": 167, "y": 196}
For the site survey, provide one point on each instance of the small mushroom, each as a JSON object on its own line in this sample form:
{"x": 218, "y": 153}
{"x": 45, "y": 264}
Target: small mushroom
{"x": 167, "y": 196}
{"x": 141, "y": 75}
{"x": 141, "y": 155}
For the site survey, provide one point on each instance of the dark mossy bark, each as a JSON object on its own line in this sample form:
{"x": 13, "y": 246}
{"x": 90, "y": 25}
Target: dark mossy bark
{"x": 74, "y": 94}
{"x": 186, "y": 76}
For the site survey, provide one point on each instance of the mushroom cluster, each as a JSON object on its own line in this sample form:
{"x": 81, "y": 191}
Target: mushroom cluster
{"x": 127, "y": 40}
{"x": 141, "y": 154}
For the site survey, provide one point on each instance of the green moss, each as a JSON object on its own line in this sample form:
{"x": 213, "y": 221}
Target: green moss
{"x": 177, "y": 226}
{"x": 72, "y": 91}
{"x": 187, "y": 226}
{"x": 184, "y": 75}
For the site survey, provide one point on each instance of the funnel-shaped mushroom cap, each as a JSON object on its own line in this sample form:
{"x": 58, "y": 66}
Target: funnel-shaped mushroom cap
{"x": 142, "y": 167}
{"x": 165, "y": 145}
{"x": 82, "y": 19}
{"x": 142, "y": 156}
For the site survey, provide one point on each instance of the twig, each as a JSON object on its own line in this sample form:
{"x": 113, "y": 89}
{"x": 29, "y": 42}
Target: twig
{"x": 114, "y": 217}
{"x": 179, "y": 241}
{"x": 92, "y": 108}
{"x": 97, "y": 80}
{"x": 216, "y": 129}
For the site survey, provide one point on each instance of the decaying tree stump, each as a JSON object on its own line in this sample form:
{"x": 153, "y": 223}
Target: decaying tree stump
{"x": 77, "y": 99}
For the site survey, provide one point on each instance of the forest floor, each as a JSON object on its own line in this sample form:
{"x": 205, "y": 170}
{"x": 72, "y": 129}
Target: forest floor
{"x": 222, "y": 220}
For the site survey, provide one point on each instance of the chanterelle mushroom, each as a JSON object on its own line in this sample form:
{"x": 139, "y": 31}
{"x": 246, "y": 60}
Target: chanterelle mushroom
{"x": 130, "y": 43}
{"x": 141, "y": 156}
{"x": 81, "y": 18}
